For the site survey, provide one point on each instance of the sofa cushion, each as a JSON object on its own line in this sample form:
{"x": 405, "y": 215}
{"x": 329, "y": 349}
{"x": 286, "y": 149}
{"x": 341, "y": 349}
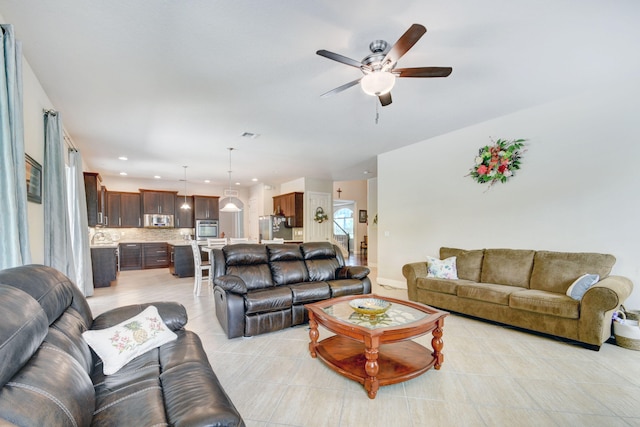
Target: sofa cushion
{"x": 507, "y": 267}
{"x": 285, "y": 272}
{"x": 284, "y": 252}
{"x": 265, "y": 300}
{"x": 322, "y": 269}
{"x": 24, "y": 325}
{"x": 316, "y": 250}
{"x": 556, "y": 271}
{"x": 442, "y": 269}
{"x": 468, "y": 263}
{"x": 245, "y": 254}
{"x": 343, "y": 287}
{"x": 581, "y": 285}
{"x": 488, "y": 292}
{"x": 445, "y": 286}
{"x": 120, "y": 344}
{"x": 309, "y": 292}
{"x": 256, "y": 276}
{"x": 543, "y": 302}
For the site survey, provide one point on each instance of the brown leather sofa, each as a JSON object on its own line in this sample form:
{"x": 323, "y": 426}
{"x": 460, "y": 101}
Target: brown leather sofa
{"x": 263, "y": 288}
{"x": 49, "y": 376}
{"x": 526, "y": 289}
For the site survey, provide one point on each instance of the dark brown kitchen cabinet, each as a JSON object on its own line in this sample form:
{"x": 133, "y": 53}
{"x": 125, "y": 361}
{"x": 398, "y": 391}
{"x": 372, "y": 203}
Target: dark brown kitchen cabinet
{"x": 181, "y": 260}
{"x": 155, "y": 255}
{"x": 184, "y": 217}
{"x": 130, "y": 256}
{"x": 123, "y": 209}
{"x": 206, "y": 207}
{"x": 95, "y": 195}
{"x": 158, "y": 202}
{"x": 104, "y": 263}
{"x": 290, "y": 205}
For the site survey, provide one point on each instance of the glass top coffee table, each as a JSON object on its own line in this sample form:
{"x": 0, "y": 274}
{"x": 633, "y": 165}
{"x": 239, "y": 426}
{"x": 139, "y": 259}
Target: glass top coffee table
{"x": 376, "y": 349}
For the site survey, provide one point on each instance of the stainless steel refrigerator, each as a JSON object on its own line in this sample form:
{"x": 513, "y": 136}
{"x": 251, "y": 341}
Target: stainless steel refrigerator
{"x": 275, "y": 227}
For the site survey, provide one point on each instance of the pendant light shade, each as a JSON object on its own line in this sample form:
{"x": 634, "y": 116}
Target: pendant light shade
{"x": 378, "y": 83}
{"x": 185, "y": 205}
{"x": 230, "y": 206}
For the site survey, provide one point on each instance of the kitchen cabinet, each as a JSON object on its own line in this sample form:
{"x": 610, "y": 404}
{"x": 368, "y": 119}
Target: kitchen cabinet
{"x": 206, "y": 207}
{"x": 181, "y": 260}
{"x": 123, "y": 210}
{"x": 155, "y": 255}
{"x": 290, "y": 205}
{"x": 130, "y": 256}
{"x": 104, "y": 263}
{"x": 184, "y": 217}
{"x": 158, "y": 202}
{"x": 95, "y": 195}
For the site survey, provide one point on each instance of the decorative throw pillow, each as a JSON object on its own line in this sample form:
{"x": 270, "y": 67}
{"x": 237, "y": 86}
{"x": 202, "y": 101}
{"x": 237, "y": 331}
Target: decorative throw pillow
{"x": 581, "y": 285}
{"x": 120, "y": 344}
{"x": 442, "y": 269}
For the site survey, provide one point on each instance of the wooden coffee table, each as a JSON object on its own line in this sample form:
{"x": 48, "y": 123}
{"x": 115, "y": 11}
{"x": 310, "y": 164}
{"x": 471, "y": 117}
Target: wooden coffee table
{"x": 376, "y": 351}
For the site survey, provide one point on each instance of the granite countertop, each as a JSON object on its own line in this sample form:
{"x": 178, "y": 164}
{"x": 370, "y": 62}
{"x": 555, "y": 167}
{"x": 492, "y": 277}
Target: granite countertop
{"x": 104, "y": 245}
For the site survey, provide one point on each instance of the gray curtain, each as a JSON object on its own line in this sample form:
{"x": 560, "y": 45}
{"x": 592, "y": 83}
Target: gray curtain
{"x": 58, "y": 251}
{"x": 14, "y": 231}
{"x": 79, "y": 224}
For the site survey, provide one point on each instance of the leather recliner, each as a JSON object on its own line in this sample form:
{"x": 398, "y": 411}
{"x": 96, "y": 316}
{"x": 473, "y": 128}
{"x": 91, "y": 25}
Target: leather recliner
{"x": 49, "y": 376}
{"x": 263, "y": 288}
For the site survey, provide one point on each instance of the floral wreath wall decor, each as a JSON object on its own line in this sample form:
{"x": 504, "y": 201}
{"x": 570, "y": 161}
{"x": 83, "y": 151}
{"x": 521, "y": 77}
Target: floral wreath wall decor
{"x": 320, "y": 216}
{"x": 497, "y": 162}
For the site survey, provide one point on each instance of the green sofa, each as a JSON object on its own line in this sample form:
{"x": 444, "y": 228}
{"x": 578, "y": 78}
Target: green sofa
{"x": 526, "y": 289}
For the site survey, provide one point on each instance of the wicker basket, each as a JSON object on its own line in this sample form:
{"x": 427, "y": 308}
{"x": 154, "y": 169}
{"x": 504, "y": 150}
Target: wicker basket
{"x": 630, "y": 314}
{"x": 627, "y": 333}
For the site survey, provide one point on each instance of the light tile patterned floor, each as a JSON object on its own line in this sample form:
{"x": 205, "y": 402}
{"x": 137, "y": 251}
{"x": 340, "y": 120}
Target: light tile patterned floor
{"x": 492, "y": 375}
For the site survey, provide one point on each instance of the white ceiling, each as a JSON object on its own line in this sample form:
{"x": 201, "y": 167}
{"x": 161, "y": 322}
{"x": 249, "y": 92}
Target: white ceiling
{"x": 169, "y": 83}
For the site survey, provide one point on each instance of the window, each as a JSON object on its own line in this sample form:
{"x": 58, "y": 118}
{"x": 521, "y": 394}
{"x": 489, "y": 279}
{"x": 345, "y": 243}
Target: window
{"x": 343, "y": 222}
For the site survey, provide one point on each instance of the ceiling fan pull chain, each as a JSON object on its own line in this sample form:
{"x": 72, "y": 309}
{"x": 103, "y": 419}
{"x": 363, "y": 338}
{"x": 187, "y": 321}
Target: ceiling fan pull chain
{"x": 377, "y": 113}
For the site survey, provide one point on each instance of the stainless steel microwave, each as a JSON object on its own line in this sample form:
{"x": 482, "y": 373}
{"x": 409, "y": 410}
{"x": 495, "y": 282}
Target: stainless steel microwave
{"x": 157, "y": 220}
{"x": 206, "y": 229}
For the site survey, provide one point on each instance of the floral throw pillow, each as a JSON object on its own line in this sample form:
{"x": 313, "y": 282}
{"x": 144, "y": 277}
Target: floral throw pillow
{"x": 120, "y": 344}
{"x": 442, "y": 269}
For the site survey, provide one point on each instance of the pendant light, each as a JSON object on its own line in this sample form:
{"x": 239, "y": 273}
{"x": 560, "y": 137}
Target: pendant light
{"x": 230, "y": 206}
{"x": 185, "y": 205}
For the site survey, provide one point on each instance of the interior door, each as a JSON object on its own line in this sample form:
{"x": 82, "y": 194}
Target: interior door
{"x": 314, "y": 231}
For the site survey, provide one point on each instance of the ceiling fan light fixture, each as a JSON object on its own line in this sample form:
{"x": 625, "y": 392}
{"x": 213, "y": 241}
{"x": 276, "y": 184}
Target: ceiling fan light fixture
{"x": 378, "y": 83}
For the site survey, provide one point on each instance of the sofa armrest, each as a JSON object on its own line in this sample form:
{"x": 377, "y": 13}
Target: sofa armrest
{"x": 173, "y": 314}
{"x": 412, "y": 272}
{"x": 352, "y": 272}
{"x": 230, "y": 283}
{"x": 598, "y": 304}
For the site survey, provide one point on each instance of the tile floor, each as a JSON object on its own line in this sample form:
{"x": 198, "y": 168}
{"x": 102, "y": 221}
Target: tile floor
{"x": 492, "y": 375}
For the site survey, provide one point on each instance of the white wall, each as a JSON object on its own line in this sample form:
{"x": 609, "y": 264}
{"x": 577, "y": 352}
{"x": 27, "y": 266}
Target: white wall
{"x": 578, "y": 189}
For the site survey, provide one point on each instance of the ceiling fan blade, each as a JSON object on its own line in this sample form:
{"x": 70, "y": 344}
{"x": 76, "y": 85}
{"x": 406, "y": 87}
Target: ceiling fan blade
{"x": 385, "y": 99}
{"x": 340, "y": 88}
{"x": 423, "y": 72}
{"x": 340, "y": 58}
{"x": 404, "y": 43}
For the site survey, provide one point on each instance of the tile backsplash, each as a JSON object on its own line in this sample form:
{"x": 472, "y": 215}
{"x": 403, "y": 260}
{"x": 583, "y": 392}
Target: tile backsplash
{"x": 144, "y": 234}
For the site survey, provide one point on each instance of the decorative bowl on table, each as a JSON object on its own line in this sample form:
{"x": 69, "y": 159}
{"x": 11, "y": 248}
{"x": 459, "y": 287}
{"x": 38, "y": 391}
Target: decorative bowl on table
{"x": 370, "y": 306}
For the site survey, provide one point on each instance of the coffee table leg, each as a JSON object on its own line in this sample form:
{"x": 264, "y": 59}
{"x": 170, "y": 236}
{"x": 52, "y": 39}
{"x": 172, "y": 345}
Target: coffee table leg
{"x": 313, "y": 335}
{"x": 437, "y": 343}
{"x": 371, "y": 367}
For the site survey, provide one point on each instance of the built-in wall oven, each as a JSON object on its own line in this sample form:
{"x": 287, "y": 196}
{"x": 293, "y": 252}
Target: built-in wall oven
{"x": 206, "y": 228}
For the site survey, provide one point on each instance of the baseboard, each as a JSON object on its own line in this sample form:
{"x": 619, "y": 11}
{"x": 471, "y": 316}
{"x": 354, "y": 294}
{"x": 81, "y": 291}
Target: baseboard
{"x": 391, "y": 282}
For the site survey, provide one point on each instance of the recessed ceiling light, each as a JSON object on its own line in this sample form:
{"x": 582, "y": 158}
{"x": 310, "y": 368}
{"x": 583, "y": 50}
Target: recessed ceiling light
{"x": 237, "y": 183}
{"x": 123, "y": 158}
{"x": 366, "y": 172}
{"x": 207, "y": 181}
{"x": 123, "y": 173}
{"x": 254, "y": 179}
{"x": 157, "y": 176}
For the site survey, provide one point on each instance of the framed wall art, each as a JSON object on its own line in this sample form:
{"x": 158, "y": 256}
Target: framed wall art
{"x": 362, "y": 216}
{"x": 34, "y": 180}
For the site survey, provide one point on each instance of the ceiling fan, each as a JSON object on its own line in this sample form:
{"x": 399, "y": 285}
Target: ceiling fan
{"x": 378, "y": 68}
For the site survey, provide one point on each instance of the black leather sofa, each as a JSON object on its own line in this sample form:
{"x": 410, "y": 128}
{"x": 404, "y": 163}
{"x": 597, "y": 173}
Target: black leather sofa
{"x": 263, "y": 288}
{"x": 49, "y": 376}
